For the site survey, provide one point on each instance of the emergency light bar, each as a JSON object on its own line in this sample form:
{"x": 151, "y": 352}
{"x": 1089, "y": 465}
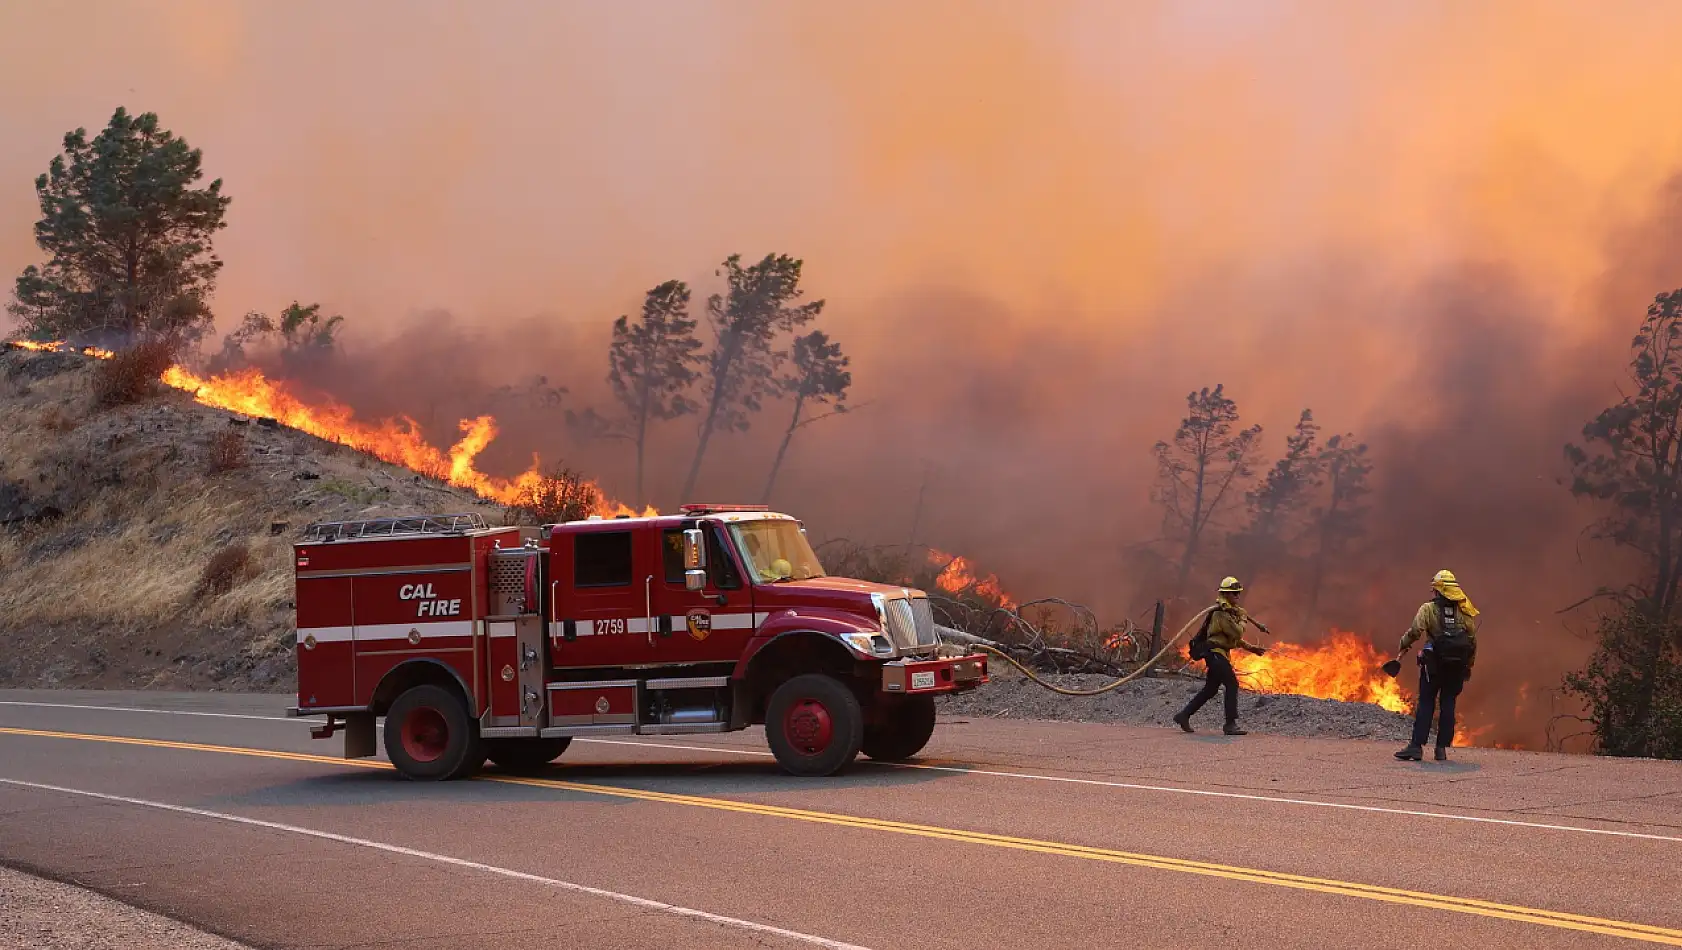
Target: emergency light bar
{"x": 715, "y": 509}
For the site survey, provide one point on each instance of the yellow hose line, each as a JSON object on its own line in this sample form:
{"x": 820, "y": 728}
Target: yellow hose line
{"x": 1110, "y": 686}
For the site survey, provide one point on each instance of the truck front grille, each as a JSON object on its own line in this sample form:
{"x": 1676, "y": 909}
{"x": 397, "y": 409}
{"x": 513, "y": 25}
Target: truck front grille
{"x": 902, "y": 624}
{"x": 924, "y": 614}
{"x": 911, "y": 623}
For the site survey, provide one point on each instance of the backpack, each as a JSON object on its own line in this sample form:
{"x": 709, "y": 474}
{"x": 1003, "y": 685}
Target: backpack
{"x": 1453, "y": 645}
{"x": 1198, "y": 648}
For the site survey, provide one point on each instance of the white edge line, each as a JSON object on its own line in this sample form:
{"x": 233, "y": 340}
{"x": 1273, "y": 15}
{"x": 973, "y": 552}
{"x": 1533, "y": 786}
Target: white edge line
{"x": 633, "y": 900}
{"x": 963, "y": 770}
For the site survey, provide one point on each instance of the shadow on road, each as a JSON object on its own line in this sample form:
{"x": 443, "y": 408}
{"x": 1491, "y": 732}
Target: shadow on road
{"x": 366, "y": 787}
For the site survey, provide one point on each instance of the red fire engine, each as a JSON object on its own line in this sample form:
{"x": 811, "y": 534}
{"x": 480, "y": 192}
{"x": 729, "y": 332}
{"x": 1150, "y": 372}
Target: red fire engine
{"x": 504, "y": 643}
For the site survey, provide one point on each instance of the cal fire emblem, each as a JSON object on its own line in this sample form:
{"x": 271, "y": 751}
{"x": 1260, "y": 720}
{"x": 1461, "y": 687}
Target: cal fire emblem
{"x": 602, "y": 705}
{"x": 700, "y": 624}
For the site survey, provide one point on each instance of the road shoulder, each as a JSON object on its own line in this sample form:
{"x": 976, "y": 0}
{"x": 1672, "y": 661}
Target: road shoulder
{"x": 39, "y": 914}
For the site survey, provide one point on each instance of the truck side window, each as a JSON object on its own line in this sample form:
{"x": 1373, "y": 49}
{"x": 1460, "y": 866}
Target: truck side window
{"x": 719, "y": 564}
{"x": 601, "y": 559}
{"x": 671, "y": 554}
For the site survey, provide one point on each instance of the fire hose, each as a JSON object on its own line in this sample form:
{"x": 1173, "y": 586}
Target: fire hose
{"x": 1108, "y": 686}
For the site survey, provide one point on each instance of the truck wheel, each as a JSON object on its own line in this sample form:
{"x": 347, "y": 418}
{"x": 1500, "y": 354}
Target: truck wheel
{"x": 525, "y": 755}
{"x": 814, "y": 725}
{"x": 429, "y": 736}
{"x": 900, "y": 728}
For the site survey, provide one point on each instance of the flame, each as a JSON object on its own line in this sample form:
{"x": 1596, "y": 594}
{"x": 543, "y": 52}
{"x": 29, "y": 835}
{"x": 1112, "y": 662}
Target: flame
{"x": 397, "y": 441}
{"x": 957, "y": 576}
{"x": 1343, "y": 666}
{"x": 58, "y": 347}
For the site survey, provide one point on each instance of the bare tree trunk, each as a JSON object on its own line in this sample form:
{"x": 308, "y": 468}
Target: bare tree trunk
{"x": 720, "y": 372}
{"x": 1194, "y": 529}
{"x": 788, "y": 435}
{"x": 642, "y": 439}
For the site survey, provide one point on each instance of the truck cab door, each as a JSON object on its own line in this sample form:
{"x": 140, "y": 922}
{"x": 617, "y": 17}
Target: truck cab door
{"x": 706, "y": 625}
{"x": 602, "y": 584}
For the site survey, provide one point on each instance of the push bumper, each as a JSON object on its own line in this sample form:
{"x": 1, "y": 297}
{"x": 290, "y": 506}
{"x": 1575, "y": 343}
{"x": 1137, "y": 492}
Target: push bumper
{"x": 944, "y": 675}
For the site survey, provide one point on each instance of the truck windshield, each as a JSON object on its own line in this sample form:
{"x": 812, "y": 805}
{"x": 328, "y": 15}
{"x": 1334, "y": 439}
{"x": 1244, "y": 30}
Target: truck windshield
{"x": 776, "y": 551}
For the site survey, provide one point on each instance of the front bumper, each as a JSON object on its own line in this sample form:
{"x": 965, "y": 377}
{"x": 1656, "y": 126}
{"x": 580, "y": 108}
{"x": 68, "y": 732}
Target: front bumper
{"x": 944, "y": 675}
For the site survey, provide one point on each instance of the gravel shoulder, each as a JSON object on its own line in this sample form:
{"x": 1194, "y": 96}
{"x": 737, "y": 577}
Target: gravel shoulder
{"x": 39, "y": 914}
{"x": 1152, "y": 701}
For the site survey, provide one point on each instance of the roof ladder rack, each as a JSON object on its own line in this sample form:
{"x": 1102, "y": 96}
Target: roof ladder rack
{"x": 395, "y": 527}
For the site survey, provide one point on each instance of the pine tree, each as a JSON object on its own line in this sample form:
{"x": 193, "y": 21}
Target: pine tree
{"x": 1200, "y": 472}
{"x": 747, "y": 321}
{"x": 128, "y": 239}
{"x": 820, "y": 378}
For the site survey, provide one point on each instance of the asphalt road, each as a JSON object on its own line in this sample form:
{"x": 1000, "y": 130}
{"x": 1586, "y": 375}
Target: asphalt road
{"x": 219, "y": 811}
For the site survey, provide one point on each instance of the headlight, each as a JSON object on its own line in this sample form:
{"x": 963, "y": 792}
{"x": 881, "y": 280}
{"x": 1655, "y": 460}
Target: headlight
{"x": 871, "y": 643}
{"x": 881, "y": 604}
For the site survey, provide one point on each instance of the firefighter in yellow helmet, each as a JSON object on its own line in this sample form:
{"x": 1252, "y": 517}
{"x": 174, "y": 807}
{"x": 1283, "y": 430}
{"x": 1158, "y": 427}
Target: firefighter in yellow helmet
{"x": 1222, "y": 632}
{"x": 1449, "y": 625}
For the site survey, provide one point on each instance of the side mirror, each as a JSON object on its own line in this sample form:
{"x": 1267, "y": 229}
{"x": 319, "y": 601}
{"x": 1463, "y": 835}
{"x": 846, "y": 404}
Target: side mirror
{"x": 695, "y": 580}
{"x": 694, "y": 551}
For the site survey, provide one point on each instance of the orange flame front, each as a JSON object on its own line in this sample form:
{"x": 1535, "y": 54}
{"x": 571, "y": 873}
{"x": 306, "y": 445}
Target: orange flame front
{"x": 1343, "y": 666}
{"x": 397, "y": 441}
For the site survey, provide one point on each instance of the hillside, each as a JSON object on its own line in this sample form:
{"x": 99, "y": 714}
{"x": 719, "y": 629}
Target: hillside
{"x": 146, "y": 545}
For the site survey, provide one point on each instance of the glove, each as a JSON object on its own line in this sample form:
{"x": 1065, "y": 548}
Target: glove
{"x": 1259, "y": 651}
{"x": 1261, "y": 626}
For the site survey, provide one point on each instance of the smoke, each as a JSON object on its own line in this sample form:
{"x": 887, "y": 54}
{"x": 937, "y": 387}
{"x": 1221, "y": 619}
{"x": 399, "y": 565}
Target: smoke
{"x": 1037, "y": 226}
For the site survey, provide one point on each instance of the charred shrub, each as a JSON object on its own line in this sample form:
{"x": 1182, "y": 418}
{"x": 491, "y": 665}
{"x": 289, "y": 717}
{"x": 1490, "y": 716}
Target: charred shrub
{"x": 132, "y": 375}
{"x": 227, "y": 452}
{"x": 560, "y": 495}
{"x": 225, "y": 570}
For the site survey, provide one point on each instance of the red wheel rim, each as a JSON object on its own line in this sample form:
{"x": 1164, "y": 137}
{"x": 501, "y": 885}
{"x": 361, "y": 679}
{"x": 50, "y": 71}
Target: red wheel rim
{"x": 808, "y": 727}
{"x": 425, "y": 734}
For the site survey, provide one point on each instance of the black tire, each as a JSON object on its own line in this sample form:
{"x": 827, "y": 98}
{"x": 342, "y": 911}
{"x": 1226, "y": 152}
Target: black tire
{"x": 430, "y": 737}
{"x": 525, "y": 755}
{"x": 898, "y": 727}
{"x": 814, "y": 725}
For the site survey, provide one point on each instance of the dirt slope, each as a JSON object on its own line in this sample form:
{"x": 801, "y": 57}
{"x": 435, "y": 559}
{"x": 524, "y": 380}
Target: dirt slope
{"x": 112, "y": 517}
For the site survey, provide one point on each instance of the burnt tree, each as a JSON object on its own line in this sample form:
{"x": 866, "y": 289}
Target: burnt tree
{"x": 1200, "y": 473}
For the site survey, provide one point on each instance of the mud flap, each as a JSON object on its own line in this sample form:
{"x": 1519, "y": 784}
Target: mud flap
{"x": 359, "y": 735}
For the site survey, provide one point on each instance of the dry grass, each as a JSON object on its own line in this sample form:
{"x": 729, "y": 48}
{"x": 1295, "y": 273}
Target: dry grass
{"x": 132, "y": 375}
{"x": 227, "y": 452}
{"x": 137, "y": 584}
{"x": 226, "y": 568}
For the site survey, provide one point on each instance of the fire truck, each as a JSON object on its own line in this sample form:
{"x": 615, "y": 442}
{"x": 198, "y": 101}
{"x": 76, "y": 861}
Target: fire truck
{"x": 481, "y": 643}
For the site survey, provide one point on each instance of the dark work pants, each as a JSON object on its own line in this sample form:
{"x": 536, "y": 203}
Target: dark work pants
{"x": 1436, "y": 688}
{"x": 1220, "y": 674}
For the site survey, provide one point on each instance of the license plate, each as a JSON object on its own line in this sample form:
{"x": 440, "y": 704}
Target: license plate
{"x": 922, "y": 680}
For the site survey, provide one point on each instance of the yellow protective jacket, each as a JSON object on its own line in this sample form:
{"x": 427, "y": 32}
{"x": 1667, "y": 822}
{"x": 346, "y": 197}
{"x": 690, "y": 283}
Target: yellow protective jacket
{"x": 1226, "y": 628}
{"x": 1428, "y": 622}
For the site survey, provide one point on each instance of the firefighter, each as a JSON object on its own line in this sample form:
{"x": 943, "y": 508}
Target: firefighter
{"x": 1223, "y": 631}
{"x": 1448, "y": 623}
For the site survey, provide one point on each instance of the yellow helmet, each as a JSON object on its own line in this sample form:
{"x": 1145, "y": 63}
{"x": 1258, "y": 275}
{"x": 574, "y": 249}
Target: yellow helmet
{"x": 1444, "y": 577}
{"x": 782, "y": 568}
{"x": 1230, "y": 585}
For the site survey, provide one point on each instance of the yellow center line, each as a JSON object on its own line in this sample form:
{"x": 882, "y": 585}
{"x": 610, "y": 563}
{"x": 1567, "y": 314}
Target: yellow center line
{"x": 1463, "y": 905}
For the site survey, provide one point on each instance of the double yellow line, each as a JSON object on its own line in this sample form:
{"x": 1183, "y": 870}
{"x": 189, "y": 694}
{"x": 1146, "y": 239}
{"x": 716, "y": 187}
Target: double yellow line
{"x": 1389, "y": 895}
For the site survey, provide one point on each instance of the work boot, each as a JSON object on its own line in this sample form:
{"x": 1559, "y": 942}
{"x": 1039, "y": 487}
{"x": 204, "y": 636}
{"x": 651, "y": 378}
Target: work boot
{"x": 1183, "y": 721}
{"x": 1412, "y": 753}
{"x": 1232, "y": 729}
{"x": 1442, "y": 754}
